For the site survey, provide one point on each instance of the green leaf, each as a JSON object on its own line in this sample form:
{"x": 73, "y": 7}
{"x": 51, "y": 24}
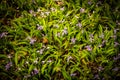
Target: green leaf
{"x": 110, "y": 52}
{"x": 108, "y": 34}
{"x": 65, "y": 74}
{"x": 3, "y": 56}
{"x": 68, "y": 13}
{"x": 30, "y": 68}
{"x": 43, "y": 68}
{"x": 112, "y": 26}
{"x": 16, "y": 58}
{"x": 100, "y": 29}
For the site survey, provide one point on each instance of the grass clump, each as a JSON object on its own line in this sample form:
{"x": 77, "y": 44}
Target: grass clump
{"x": 63, "y": 40}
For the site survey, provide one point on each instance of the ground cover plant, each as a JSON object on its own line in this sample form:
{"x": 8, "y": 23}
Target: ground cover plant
{"x": 60, "y": 40}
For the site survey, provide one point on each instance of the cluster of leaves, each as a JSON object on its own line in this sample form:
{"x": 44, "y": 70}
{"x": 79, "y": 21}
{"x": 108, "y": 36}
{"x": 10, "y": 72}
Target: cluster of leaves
{"x": 63, "y": 40}
{"x": 10, "y": 9}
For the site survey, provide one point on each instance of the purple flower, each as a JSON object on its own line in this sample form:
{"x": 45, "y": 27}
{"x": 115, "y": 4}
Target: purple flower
{"x": 32, "y": 41}
{"x": 100, "y": 68}
{"x": 115, "y": 69}
{"x": 91, "y": 37}
{"x": 35, "y": 71}
{"x": 31, "y": 11}
{"x": 82, "y": 10}
{"x": 79, "y": 25}
{"x": 89, "y": 2}
{"x": 40, "y": 51}
{"x": 103, "y": 42}
{"x": 116, "y": 44}
{"x": 73, "y": 40}
{"x": 3, "y": 34}
{"x": 115, "y": 31}
{"x": 65, "y": 31}
{"x": 8, "y": 65}
{"x": 116, "y": 58}
{"x": 88, "y": 48}
{"x": 34, "y": 1}
{"x": 39, "y": 27}
{"x": 73, "y": 74}
{"x": 96, "y": 76}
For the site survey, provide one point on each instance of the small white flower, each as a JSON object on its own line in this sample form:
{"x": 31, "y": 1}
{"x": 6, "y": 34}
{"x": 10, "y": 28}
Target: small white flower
{"x": 27, "y": 62}
{"x": 56, "y": 25}
{"x": 42, "y": 14}
{"x": 48, "y": 47}
{"x": 9, "y": 56}
{"x": 27, "y": 76}
{"x": 38, "y": 10}
{"x": 58, "y": 34}
{"x": 62, "y": 9}
{"x": 49, "y": 61}
{"x": 100, "y": 45}
{"x": 82, "y": 31}
{"x": 43, "y": 62}
{"x": 68, "y": 59}
{"x": 62, "y": 21}
{"x": 19, "y": 69}
{"x": 47, "y": 13}
{"x": 101, "y": 36}
{"x": 76, "y": 16}
{"x": 36, "y": 61}
{"x": 40, "y": 51}
{"x": 118, "y": 23}
{"x": 53, "y": 9}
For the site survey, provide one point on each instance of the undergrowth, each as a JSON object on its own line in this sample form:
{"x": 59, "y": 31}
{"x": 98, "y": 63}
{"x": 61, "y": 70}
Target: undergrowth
{"x": 60, "y": 40}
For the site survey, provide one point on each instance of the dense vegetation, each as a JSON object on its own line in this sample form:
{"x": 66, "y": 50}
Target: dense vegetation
{"x": 59, "y": 39}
